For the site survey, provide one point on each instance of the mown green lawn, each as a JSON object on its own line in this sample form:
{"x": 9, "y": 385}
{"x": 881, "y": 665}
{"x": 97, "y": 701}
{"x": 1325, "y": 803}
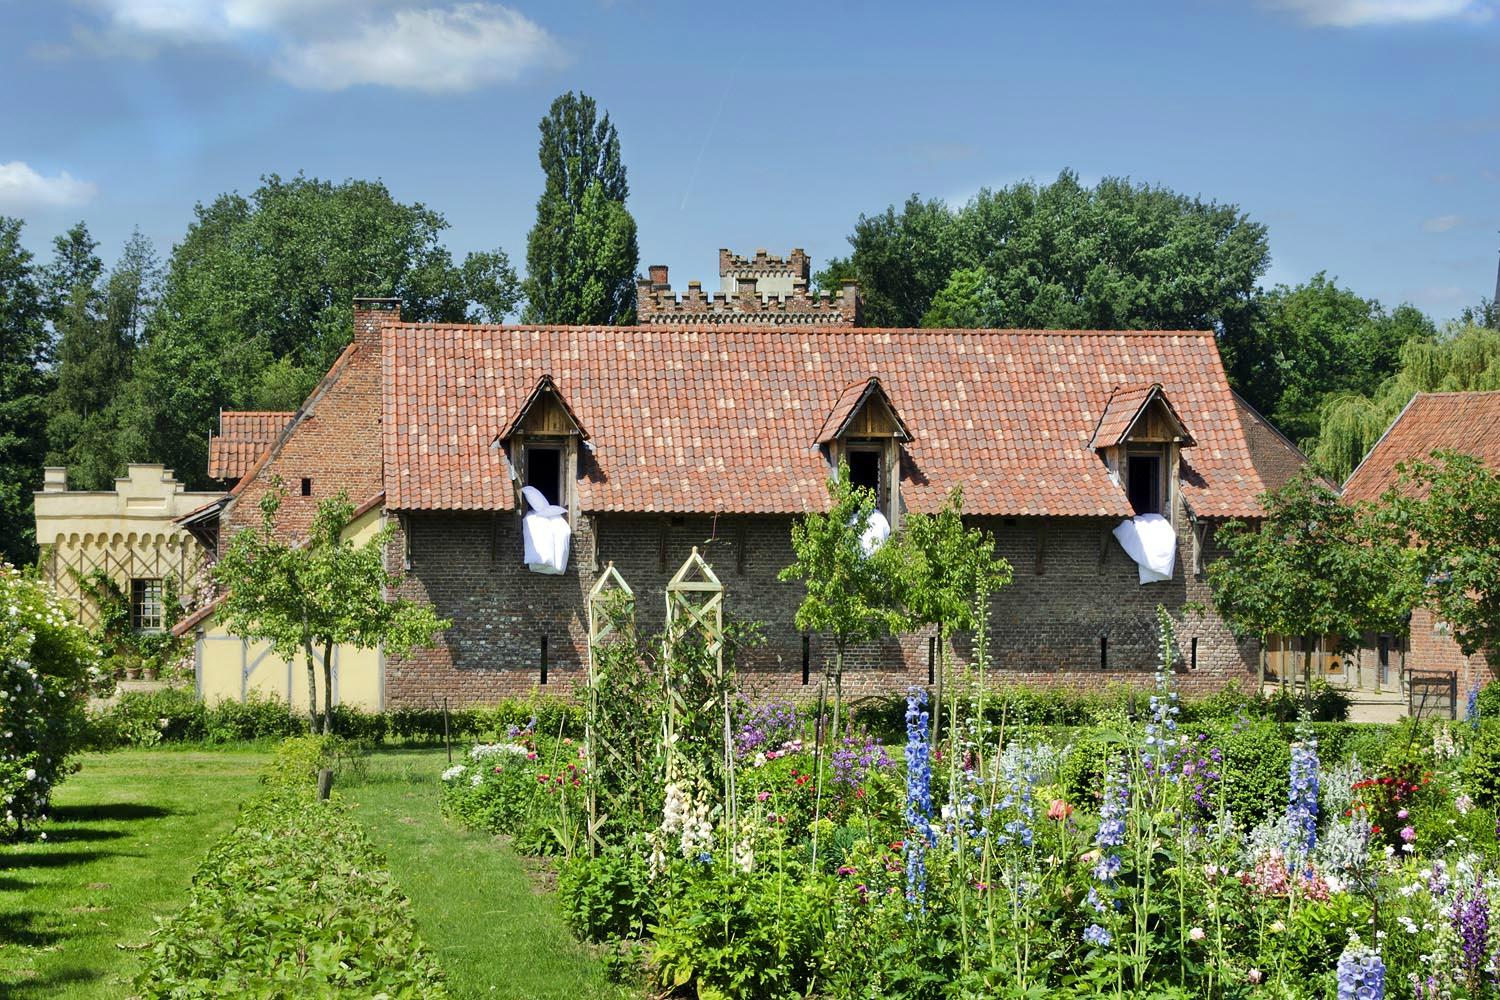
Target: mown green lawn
{"x": 126, "y": 834}
{"x": 495, "y": 932}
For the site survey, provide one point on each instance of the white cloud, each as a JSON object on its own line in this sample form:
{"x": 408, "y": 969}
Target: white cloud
{"x": 461, "y": 48}
{"x": 1442, "y": 223}
{"x": 21, "y": 187}
{"x": 1359, "y": 13}
{"x": 335, "y": 44}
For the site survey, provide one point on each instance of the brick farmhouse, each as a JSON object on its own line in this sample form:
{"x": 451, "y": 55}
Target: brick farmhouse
{"x": 716, "y": 423}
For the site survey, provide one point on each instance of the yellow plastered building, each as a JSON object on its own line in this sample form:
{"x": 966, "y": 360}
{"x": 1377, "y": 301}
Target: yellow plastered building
{"x": 229, "y": 668}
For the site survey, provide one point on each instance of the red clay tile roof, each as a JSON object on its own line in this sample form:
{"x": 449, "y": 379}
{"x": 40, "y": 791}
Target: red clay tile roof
{"x": 848, "y": 405}
{"x": 243, "y": 436}
{"x": 1275, "y": 457}
{"x": 723, "y": 418}
{"x": 1452, "y": 421}
{"x": 1124, "y": 407}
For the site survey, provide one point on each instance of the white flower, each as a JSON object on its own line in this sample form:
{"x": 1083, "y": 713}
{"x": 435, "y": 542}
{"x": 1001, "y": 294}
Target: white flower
{"x": 453, "y": 772}
{"x": 31, "y": 774}
{"x": 477, "y": 779}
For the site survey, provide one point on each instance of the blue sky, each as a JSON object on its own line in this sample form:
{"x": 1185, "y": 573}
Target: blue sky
{"x": 1364, "y": 133}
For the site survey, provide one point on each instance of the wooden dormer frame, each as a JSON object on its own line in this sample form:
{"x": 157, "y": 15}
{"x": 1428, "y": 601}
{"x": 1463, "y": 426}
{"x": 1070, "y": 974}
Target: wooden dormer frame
{"x": 545, "y": 420}
{"x": 865, "y": 419}
{"x": 1140, "y": 421}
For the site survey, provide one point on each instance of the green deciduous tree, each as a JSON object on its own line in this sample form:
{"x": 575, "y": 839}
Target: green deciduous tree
{"x": 1461, "y": 358}
{"x": 257, "y": 301}
{"x": 947, "y": 570}
{"x": 25, "y": 382}
{"x": 967, "y": 301}
{"x": 1449, "y": 507}
{"x": 581, "y": 255}
{"x": 317, "y": 593}
{"x": 1118, "y": 255}
{"x": 1314, "y": 566}
{"x": 851, "y": 596}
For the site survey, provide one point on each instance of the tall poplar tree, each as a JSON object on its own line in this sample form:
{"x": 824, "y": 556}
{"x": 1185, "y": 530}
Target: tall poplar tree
{"x": 581, "y": 255}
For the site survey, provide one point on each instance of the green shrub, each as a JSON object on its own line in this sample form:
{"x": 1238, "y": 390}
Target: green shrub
{"x": 608, "y": 897}
{"x": 293, "y": 902}
{"x": 298, "y": 760}
{"x": 48, "y": 665}
{"x": 257, "y": 718}
{"x": 1480, "y": 769}
{"x": 1257, "y": 757}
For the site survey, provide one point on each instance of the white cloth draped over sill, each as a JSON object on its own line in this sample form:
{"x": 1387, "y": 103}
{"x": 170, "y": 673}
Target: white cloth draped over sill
{"x": 877, "y": 530}
{"x": 1151, "y": 541}
{"x": 545, "y": 534}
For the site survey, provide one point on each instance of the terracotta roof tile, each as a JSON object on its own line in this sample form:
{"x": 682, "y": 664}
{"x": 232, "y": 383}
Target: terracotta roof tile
{"x": 1458, "y": 421}
{"x": 724, "y": 418}
{"x": 243, "y": 436}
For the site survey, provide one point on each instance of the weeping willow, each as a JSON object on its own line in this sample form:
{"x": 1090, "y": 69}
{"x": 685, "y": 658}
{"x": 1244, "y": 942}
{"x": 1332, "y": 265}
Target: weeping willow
{"x": 1462, "y": 360}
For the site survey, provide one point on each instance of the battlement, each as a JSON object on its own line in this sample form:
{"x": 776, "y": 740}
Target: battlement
{"x": 763, "y": 289}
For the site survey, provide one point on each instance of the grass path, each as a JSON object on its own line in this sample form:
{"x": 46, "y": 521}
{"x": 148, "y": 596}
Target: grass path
{"x": 126, "y": 834}
{"x": 494, "y": 932}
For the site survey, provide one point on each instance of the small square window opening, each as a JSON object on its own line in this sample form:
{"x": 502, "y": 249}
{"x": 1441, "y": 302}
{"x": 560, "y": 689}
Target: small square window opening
{"x": 306, "y": 487}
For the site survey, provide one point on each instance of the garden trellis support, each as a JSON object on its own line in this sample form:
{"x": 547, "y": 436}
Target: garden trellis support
{"x": 695, "y": 604}
{"x": 605, "y": 597}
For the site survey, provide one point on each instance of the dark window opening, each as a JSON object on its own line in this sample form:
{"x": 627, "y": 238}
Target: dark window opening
{"x": 544, "y": 658}
{"x": 864, "y": 469}
{"x": 306, "y": 487}
{"x": 931, "y": 659}
{"x": 544, "y": 472}
{"x": 1193, "y": 656}
{"x": 1104, "y": 652}
{"x": 146, "y": 607}
{"x": 1143, "y": 483}
{"x": 806, "y": 658}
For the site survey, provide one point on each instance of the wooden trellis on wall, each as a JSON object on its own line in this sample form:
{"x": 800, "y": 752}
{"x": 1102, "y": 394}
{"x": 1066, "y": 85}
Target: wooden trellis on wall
{"x": 608, "y": 590}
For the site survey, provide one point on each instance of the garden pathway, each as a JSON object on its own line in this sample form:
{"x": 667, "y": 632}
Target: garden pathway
{"x": 494, "y": 931}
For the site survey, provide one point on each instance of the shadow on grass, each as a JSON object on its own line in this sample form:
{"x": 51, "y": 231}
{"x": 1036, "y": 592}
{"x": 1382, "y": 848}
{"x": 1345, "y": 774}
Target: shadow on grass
{"x": 50, "y": 859}
{"x": 83, "y": 833}
{"x": 22, "y": 929}
{"x": 117, "y": 810}
{"x": 55, "y": 985}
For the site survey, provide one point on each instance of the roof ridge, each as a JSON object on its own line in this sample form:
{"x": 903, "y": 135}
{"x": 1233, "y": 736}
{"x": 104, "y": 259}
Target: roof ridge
{"x": 796, "y": 329}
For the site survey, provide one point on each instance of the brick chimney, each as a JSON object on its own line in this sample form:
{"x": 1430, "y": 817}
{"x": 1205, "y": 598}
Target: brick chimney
{"x": 849, "y": 304}
{"x": 659, "y": 276}
{"x": 370, "y": 315}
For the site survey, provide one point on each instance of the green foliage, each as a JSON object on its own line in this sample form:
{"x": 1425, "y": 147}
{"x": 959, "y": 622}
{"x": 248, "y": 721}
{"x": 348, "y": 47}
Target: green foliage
{"x": 1451, "y": 507}
{"x": 946, "y": 567}
{"x": 295, "y": 766}
{"x": 25, "y": 382}
{"x": 731, "y": 935}
{"x": 124, "y": 646}
{"x": 581, "y": 255}
{"x": 1062, "y": 256}
{"x": 529, "y": 787}
{"x": 257, "y": 300}
{"x": 48, "y": 666}
{"x": 1480, "y": 770}
{"x": 1464, "y": 357}
{"x": 294, "y": 902}
{"x": 1314, "y": 566}
{"x": 967, "y": 301}
{"x": 850, "y": 595}
{"x": 323, "y": 593}
{"x": 1257, "y": 757}
{"x": 608, "y": 897}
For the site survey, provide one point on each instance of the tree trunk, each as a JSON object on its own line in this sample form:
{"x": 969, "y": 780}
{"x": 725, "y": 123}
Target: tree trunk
{"x": 328, "y": 686}
{"x": 312, "y": 687}
{"x": 838, "y": 689}
{"x": 1307, "y": 651}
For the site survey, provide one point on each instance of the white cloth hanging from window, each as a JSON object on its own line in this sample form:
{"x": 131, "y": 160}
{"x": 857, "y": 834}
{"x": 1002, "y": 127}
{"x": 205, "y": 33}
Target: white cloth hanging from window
{"x": 1151, "y": 541}
{"x": 877, "y": 530}
{"x": 545, "y": 534}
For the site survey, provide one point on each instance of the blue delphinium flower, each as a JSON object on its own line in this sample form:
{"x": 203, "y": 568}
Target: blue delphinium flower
{"x": 1111, "y": 834}
{"x": 1097, "y": 936}
{"x": 1302, "y": 800}
{"x": 1471, "y": 708}
{"x": 1361, "y": 974}
{"x": 1018, "y": 771}
{"x": 920, "y": 834}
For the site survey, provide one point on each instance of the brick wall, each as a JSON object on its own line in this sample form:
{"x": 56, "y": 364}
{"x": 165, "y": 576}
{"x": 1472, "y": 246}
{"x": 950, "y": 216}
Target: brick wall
{"x": 334, "y": 443}
{"x": 1044, "y": 628}
{"x": 1432, "y": 647}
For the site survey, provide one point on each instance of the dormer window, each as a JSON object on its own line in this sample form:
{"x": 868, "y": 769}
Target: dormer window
{"x": 864, "y": 431}
{"x": 542, "y": 441}
{"x": 1140, "y": 437}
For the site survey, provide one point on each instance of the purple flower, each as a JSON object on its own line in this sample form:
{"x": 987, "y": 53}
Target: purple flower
{"x": 857, "y": 758}
{"x": 1361, "y": 974}
{"x": 918, "y": 796}
{"x": 1471, "y": 921}
{"x": 1097, "y": 936}
{"x": 1302, "y": 801}
{"x": 769, "y": 725}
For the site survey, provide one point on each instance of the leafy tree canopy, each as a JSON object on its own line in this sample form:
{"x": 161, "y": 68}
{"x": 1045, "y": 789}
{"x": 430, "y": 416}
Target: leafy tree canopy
{"x": 1314, "y": 566}
{"x": 1450, "y": 507}
{"x": 25, "y": 382}
{"x": 581, "y": 255}
{"x": 257, "y": 302}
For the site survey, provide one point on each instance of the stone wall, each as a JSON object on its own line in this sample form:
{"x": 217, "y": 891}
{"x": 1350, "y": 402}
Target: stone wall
{"x": 1044, "y": 629}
